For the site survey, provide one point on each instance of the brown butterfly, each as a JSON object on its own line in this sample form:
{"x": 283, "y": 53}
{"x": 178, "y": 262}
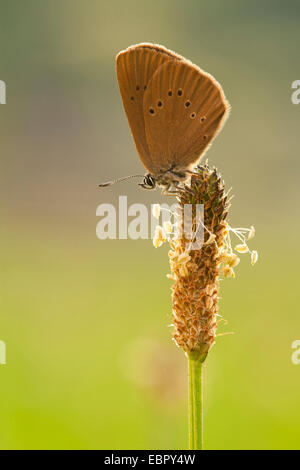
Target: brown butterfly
{"x": 174, "y": 110}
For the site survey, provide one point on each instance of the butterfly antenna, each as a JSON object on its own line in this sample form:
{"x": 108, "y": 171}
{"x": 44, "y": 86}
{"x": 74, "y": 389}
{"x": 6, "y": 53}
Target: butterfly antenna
{"x": 109, "y": 183}
{"x": 193, "y": 173}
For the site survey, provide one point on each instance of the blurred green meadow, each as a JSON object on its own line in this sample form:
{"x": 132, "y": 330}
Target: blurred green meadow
{"x": 90, "y": 360}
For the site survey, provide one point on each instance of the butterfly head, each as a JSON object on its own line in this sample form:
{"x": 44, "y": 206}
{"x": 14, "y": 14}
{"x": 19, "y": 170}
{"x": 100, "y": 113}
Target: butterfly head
{"x": 149, "y": 182}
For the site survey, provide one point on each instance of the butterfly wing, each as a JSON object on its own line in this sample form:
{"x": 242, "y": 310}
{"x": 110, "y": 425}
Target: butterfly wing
{"x": 135, "y": 67}
{"x": 184, "y": 108}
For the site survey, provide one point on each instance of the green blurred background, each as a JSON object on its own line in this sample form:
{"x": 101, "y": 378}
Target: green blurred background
{"x": 90, "y": 361}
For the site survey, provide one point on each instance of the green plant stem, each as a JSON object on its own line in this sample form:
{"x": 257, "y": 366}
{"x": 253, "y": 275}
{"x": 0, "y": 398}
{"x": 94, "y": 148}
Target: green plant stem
{"x": 195, "y": 404}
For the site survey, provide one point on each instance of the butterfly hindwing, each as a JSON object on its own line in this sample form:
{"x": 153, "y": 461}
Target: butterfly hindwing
{"x": 184, "y": 108}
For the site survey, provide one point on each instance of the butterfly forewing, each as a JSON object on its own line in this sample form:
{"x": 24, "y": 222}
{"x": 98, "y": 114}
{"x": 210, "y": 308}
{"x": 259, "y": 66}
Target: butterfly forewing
{"x": 184, "y": 108}
{"x": 135, "y": 67}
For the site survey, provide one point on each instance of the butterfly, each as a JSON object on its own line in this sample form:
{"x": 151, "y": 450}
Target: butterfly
{"x": 174, "y": 110}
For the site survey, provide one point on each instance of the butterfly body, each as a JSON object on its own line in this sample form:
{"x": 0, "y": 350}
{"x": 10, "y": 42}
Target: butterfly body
{"x": 174, "y": 110}
{"x": 166, "y": 180}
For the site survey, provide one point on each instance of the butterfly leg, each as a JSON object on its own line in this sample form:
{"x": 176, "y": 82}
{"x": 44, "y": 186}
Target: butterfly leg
{"x": 180, "y": 177}
{"x": 169, "y": 192}
{"x": 180, "y": 190}
{"x": 193, "y": 173}
{"x": 173, "y": 190}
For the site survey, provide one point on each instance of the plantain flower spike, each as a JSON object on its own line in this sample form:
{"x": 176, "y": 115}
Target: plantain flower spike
{"x": 196, "y": 272}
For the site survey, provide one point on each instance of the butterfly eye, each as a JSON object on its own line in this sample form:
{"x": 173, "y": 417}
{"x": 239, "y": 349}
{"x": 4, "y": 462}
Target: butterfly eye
{"x": 187, "y": 104}
{"x": 159, "y": 104}
{"x": 179, "y": 92}
{"x": 151, "y": 111}
{"x": 170, "y": 93}
{"x": 193, "y": 115}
